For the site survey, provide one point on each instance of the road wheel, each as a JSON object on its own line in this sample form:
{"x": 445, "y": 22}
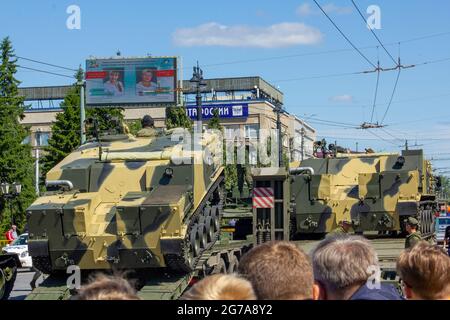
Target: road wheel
{"x": 195, "y": 240}
{"x": 7, "y": 278}
{"x": 201, "y": 229}
{"x": 216, "y": 218}
{"x": 209, "y": 226}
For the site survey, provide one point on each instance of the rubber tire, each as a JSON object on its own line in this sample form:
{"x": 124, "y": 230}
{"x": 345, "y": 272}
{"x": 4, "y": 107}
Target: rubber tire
{"x": 209, "y": 225}
{"x": 233, "y": 265}
{"x": 194, "y": 239}
{"x": 201, "y": 229}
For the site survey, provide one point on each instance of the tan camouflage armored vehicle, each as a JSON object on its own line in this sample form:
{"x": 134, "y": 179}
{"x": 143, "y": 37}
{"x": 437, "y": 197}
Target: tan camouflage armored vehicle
{"x": 372, "y": 191}
{"x": 128, "y": 204}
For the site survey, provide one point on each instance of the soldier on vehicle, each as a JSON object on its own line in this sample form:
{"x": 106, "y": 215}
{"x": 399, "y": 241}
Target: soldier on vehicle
{"x": 343, "y": 227}
{"x": 413, "y": 237}
{"x": 148, "y": 127}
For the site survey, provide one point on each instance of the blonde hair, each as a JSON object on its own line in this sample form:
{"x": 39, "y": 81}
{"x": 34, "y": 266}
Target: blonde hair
{"x": 221, "y": 287}
{"x": 104, "y": 287}
{"x": 425, "y": 268}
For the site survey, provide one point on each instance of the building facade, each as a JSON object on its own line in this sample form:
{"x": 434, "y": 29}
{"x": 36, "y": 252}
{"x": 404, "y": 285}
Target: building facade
{"x": 246, "y": 105}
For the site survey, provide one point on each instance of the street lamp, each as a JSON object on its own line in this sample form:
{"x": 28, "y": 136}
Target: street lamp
{"x": 199, "y": 82}
{"x": 9, "y": 192}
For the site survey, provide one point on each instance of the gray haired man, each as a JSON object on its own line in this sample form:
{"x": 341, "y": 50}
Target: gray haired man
{"x": 346, "y": 267}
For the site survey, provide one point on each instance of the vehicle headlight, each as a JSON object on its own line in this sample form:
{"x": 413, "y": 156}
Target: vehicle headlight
{"x": 24, "y": 254}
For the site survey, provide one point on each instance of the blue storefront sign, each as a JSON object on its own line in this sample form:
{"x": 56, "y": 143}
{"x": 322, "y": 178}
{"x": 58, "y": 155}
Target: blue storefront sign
{"x": 225, "y": 111}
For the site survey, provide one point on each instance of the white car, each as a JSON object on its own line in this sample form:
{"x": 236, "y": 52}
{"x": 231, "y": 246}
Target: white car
{"x": 20, "y": 247}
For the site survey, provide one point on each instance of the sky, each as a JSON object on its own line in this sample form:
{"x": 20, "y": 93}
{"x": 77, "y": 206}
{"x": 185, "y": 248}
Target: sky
{"x": 290, "y": 44}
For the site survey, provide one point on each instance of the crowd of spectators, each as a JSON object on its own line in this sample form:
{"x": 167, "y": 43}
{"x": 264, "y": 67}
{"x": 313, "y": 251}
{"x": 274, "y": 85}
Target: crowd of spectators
{"x": 341, "y": 267}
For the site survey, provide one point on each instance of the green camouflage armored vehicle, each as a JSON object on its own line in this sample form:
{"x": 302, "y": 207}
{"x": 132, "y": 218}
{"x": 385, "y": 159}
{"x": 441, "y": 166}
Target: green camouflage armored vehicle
{"x": 128, "y": 204}
{"x": 372, "y": 191}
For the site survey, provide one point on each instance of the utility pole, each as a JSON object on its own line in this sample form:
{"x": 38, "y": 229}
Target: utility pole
{"x": 278, "y": 109}
{"x": 302, "y": 133}
{"x": 82, "y": 111}
{"x": 197, "y": 79}
{"x": 38, "y": 145}
{"x": 406, "y": 144}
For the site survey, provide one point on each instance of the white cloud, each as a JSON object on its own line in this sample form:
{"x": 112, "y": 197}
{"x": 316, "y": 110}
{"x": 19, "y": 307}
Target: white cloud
{"x": 347, "y": 98}
{"x": 284, "y": 34}
{"x": 305, "y": 9}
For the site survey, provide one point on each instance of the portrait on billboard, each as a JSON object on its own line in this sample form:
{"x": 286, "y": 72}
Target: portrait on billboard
{"x": 146, "y": 81}
{"x": 113, "y": 82}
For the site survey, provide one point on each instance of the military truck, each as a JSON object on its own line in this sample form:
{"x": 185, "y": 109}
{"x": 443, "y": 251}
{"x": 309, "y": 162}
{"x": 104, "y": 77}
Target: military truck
{"x": 8, "y": 272}
{"x": 373, "y": 191}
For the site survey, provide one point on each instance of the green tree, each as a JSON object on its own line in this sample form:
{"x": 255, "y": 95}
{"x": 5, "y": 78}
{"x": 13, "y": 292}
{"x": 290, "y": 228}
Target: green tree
{"x": 66, "y": 129}
{"x": 176, "y": 117}
{"x": 16, "y": 161}
{"x": 214, "y": 122}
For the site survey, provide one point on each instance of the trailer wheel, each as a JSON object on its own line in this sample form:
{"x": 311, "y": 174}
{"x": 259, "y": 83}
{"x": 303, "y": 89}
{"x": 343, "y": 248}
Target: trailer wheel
{"x": 233, "y": 265}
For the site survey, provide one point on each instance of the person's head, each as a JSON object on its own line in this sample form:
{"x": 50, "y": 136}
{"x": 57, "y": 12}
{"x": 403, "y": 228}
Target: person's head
{"x": 411, "y": 224}
{"x": 114, "y": 76}
{"x": 425, "y": 272}
{"x": 278, "y": 271}
{"x": 147, "y": 121}
{"x": 147, "y": 75}
{"x": 103, "y": 287}
{"x": 342, "y": 264}
{"x": 14, "y": 227}
{"x": 221, "y": 287}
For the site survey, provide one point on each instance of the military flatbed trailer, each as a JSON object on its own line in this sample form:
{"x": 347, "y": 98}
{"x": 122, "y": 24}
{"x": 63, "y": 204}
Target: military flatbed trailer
{"x": 223, "y": 257}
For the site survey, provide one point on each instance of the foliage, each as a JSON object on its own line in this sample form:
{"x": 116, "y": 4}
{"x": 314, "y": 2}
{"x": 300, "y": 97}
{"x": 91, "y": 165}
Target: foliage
{"x": 176, "y": 117}
{"x": 16, "y": 161}
{"x": 66, "y": 129}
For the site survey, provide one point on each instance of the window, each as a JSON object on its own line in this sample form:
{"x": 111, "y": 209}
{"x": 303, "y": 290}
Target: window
{"x": 42, "y": 138}
{"x": 26, "y": 140}
{"x": 232, "y": 132}
{"x": 252, "y": 131}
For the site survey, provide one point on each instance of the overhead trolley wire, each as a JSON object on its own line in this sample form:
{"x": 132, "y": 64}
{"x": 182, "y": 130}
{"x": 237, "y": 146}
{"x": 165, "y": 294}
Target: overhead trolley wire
{"x": 44, "y": 71}
{"x": 374, "y": 34}
{"x": 46, "y": 63}
{"x": 345, "y": 37}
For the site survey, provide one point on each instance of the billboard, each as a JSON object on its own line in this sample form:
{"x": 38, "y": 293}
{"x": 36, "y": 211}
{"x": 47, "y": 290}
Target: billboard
{"x": 228, "y": 110}
{"x": 131, "y": 80}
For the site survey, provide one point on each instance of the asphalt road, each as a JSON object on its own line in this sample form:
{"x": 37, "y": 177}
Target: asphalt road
{"x": 22, "y": 284}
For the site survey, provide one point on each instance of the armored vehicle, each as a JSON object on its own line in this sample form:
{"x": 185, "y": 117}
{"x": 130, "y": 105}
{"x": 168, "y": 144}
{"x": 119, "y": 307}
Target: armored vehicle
{"x": 372, "y": 191}
{"x": 129, "y": 203}
{"x": 8, "y": 272}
